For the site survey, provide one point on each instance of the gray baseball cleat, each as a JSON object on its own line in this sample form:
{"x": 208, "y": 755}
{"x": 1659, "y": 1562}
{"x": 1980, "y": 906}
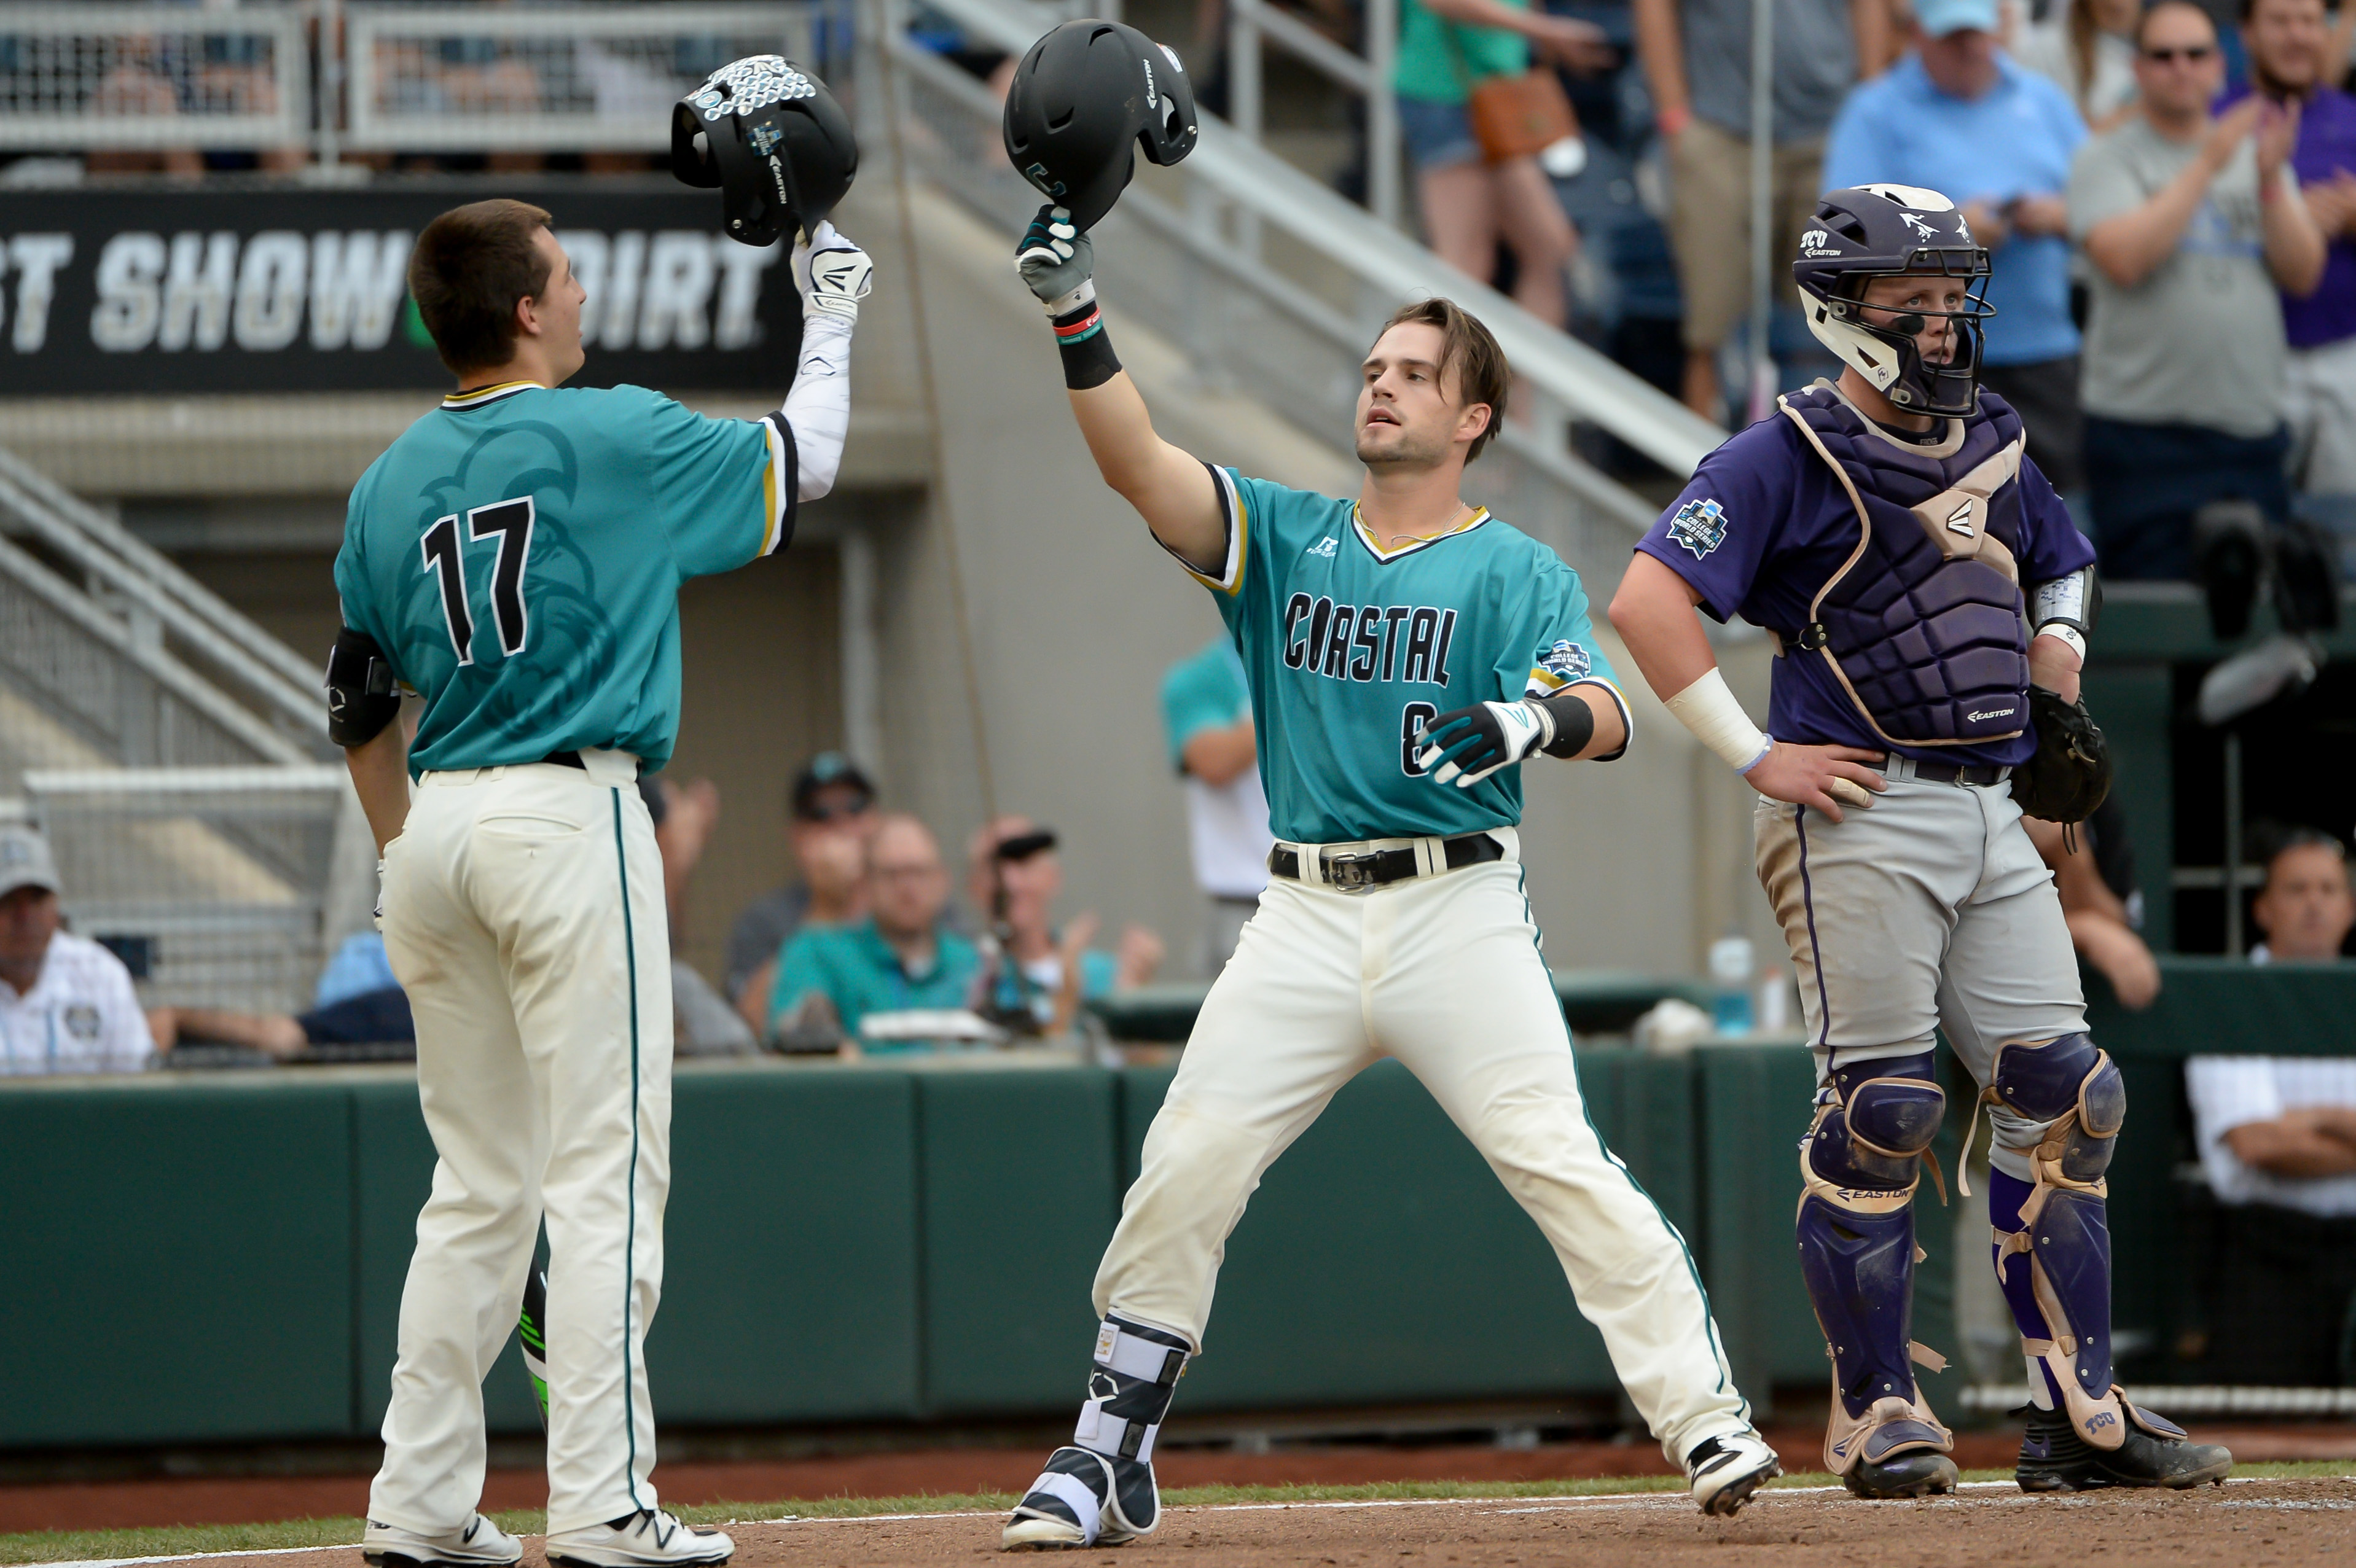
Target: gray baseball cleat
{"x": 647, "y": 1538}
{"x": 477, "y": 1544}
{"x": 2155, "y": 1453}
{"x": 1725, "y": 1471}
{"x": 1084, "y": 1498}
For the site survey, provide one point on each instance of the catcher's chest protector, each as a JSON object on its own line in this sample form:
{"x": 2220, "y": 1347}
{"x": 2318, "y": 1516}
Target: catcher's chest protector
{"x": 1923, "y": 623}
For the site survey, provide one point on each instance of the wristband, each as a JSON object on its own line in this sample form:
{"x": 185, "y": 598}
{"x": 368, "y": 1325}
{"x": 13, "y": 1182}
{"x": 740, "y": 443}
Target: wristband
{"x": 1718, "y": 721}
{"x": 1089, "y": 359}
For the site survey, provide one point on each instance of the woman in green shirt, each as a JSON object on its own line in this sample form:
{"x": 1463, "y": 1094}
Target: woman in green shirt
{"x": 1446, "y": 47}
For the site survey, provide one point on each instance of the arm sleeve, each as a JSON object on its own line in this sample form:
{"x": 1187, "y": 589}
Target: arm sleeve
{"x": 723, "y": 488}
{"x": 1723, "y": 526}
{"x": 1554, "y": 648}
{"x": 2229, "y": 1092}
{"x": 817, "y": 415}
{"x": 2054, "y": 547}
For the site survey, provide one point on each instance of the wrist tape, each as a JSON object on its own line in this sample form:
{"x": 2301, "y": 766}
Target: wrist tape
{"x": 1089, "y": 359}
{"x": 1718, "y": 721}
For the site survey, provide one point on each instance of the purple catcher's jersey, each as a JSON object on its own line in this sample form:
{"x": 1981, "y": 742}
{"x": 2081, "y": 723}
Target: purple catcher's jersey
{"x": 1767, "y": 523}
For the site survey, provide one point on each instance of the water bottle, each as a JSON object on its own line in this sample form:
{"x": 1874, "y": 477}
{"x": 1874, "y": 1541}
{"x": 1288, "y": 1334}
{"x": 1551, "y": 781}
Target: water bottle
{"x": 1731, "y": 963}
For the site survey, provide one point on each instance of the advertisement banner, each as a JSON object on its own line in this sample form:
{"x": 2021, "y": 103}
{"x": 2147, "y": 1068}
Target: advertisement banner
{"x": 158, "y": 290}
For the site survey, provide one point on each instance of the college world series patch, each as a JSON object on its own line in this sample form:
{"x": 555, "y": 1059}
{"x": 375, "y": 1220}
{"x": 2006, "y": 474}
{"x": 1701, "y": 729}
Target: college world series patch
{"x": 1566, "y": 661}
{"x": 1699, "y": 525}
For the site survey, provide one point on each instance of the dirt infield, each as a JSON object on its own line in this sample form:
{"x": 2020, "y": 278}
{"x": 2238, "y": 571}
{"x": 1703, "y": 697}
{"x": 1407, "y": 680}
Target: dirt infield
{"x": 101, "y": 1505}
{"x": 2245, "y": 1524}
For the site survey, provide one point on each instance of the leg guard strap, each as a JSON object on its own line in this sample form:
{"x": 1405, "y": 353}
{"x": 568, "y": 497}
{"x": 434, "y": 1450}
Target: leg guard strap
{"x": 1135, "y": 1376}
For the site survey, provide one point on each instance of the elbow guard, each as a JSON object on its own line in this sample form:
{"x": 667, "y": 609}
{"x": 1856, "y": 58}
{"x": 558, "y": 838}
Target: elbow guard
{"x": 2066, "y": 607}
{"x": 363, "y": 694}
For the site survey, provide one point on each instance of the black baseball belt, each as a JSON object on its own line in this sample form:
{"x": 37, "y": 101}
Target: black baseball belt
{"x": 1379, "y": 868}
{"x": 572, "y": 759}
{"x": 1934, "y": 772}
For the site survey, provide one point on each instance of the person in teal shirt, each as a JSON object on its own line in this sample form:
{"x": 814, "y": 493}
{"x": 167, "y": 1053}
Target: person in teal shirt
{"x": 1446, "y": 48}
{"x": 902, "y": 958}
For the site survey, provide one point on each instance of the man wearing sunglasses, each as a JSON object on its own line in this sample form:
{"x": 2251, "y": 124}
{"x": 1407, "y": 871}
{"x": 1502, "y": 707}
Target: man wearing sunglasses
{"x": 2193, "y": 225}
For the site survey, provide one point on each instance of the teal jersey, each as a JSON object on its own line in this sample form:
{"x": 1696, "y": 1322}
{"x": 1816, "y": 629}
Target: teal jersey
{"x": 1205, "y": 692}
{"x": 518, "y": 554}
{"x": 1348, "y": 651}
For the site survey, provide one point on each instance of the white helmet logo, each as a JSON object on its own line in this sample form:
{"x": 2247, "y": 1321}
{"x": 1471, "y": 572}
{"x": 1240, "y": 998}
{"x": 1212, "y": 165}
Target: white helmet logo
{"x": 1917, "y": 225}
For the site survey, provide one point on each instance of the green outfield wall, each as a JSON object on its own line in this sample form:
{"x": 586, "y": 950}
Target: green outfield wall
{"x": 206, "y": 1258}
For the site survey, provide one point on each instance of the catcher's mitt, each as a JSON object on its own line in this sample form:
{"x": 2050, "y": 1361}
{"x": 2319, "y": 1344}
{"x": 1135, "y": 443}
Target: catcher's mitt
{"x": 2071, "y": 772}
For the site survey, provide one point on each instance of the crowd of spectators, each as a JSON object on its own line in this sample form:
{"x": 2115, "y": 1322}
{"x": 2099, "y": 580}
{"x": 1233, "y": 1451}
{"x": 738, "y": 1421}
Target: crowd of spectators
{"x": 2167, "y": 190}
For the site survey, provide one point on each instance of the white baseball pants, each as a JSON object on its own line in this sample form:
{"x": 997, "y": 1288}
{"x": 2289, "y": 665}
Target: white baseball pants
{"x": 523, "y": 912}
{"x": 1444, "y": 973}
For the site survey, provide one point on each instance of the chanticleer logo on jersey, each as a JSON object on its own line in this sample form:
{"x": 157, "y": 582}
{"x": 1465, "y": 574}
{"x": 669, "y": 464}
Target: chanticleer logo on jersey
{"x": 1699, "y": 525}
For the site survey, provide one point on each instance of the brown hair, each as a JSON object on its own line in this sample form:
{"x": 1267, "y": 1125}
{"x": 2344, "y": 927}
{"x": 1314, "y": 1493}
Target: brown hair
{"x": 1467, "y": 349}
{"x": 470, "y": 268}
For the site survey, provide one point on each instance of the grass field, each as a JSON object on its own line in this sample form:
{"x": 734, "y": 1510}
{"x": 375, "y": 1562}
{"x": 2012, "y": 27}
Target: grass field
{"x": 79, "y": 1545}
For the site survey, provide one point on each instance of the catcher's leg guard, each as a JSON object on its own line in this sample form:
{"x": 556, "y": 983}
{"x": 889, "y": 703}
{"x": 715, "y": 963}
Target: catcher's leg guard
{"x": 1100, "y": 1491}
{"x": 2054, "y": 1261}
{"x": 1861, "y": 1163}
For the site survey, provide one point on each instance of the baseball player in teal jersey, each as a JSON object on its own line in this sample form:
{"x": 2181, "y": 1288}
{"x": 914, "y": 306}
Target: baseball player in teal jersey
{"x": 1405, "y": 653}
{"x": 515, "y": 557}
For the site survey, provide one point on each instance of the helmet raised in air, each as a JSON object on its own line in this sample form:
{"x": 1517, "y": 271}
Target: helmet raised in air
{"x": 772, "y": 140}
{"x": 1083, "y": 99}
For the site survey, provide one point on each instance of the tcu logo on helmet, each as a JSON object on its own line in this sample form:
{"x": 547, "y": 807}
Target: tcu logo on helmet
{"x": 1816, "y": 242}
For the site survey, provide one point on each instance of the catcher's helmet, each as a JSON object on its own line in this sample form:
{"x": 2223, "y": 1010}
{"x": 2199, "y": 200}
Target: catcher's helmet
{"x": 774, "y": 142}
{"x": 1084, "y": 96}
{"x": 1891, "y": 231}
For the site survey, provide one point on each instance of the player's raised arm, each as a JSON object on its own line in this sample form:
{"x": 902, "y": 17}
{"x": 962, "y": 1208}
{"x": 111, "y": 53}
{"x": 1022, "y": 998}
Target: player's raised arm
{"x": 1171, "y": 489}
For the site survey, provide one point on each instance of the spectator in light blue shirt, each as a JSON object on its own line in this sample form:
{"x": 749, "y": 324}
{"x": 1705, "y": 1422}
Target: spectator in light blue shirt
{"x": 1959, "y": 116}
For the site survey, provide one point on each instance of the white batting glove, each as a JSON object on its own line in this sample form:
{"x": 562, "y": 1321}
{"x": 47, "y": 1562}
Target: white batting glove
{"x": 1470, "y": 744}
{"x": 831, "y": 275}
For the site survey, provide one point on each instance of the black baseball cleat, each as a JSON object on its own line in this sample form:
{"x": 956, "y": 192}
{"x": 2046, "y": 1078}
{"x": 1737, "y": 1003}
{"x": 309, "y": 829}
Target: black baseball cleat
{"x": 2156, "y": 1453}
{"x": 1917, "y": 1473}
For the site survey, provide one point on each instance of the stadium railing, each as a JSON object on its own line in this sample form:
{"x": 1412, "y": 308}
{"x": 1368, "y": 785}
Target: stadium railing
{"x": 125, "y": 76}
{"x": 217, "y": 886}
{"x": 1274, "y": 284}
{"x": 573, "y": 78}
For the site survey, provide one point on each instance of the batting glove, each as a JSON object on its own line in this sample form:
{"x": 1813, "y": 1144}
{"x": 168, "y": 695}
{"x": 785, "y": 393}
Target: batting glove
{"x": 1056, "y": 261}
{"x": 1470, "y": 744}
{"x": 832, "y": 275}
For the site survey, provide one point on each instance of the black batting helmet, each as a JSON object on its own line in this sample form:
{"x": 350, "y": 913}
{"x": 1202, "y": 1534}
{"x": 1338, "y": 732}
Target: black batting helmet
{"x": 1893, "y": 230}
{"x": 771, "y": 138}
{"x": 1083, "y": 98}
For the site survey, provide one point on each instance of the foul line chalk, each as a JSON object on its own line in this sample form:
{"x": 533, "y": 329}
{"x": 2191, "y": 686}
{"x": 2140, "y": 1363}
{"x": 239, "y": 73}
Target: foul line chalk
{"x": 1529, "y": 1505}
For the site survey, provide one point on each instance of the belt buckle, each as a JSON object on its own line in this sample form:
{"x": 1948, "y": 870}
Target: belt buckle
{"x": 1350, "y": 873}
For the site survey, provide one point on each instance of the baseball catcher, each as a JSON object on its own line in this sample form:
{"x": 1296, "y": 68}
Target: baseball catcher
{"x": 1930, "y": 602}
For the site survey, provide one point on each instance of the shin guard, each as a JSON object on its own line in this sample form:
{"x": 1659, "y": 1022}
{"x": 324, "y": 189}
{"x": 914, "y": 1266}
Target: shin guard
{"x": 2060, "y": 1289}
{"x": 1860, "y": 1164}
{"x": 1100, "y": 1491}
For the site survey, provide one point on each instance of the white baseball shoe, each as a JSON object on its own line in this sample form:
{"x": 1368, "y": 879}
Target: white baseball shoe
{"x": 477, "y": 1544}
{"x": 648, "y": 1539}
{"x": 1725, "y": 1471}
